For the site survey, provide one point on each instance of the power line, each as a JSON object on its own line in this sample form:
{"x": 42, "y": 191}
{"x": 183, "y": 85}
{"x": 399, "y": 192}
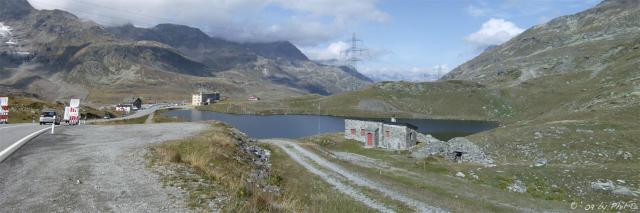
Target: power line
{"x": 356, "y": 52}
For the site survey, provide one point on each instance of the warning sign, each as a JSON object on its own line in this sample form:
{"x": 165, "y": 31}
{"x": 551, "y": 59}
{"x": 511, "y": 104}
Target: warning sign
{"x": 72, "y": 112}
{"x": 4, "y": 109}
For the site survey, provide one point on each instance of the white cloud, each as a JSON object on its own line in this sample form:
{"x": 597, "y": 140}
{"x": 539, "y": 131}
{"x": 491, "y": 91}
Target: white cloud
{"x": 342, "y": 10}
{"x": 308, "y": 22}
{"x": 475, "y": 11}
{"x": 413, "y": 74}
{"x": 331, "y": 52}
{"x": 494, "y": 32}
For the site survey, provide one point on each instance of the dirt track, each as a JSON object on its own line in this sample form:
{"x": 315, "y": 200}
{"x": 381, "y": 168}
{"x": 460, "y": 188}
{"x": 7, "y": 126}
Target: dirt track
{"x": 344, "y": 180}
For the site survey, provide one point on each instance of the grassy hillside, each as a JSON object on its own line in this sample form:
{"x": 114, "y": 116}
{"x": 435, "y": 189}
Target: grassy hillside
{"x": 24, "y": 109}
{"x": 400, "y": 99}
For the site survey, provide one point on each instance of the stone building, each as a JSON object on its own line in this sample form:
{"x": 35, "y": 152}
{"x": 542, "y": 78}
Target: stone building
{"x": 200, "y": 99}
{"x": 387, "y": 135}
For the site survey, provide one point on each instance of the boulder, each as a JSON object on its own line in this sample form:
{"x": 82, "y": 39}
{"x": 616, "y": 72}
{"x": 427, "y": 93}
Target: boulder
{"x": 517, "y": 186}
{"x": 540, "y": 162}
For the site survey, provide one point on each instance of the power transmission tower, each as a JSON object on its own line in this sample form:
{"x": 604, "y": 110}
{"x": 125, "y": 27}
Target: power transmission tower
{"x": 356, "y": 53}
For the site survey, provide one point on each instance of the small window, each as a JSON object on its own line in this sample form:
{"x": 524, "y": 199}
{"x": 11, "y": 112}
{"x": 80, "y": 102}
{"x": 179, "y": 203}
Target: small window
{"x": 353, "y": 131}
{"x": 388, "y": 134}
{"x": 361, "y": 132}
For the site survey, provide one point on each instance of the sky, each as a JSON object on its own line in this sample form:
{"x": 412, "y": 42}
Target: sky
{"x": 412, "y": 40}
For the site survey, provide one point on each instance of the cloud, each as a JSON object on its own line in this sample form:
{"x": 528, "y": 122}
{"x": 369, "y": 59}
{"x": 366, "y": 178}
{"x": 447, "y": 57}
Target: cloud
{"x": 332, "y": 52}
{"x": 308, "y": 22}
{"x": 494, "y": 32}
{"x": 510, "y": 9}
{"x": 476, "y": 11}
{"x": 413, "y": 74}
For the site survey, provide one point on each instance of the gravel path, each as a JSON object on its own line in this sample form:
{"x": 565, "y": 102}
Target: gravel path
{"x": 91, "y": 169}
{"x": 352, "y": 192}
{"x": 315, "y": 163}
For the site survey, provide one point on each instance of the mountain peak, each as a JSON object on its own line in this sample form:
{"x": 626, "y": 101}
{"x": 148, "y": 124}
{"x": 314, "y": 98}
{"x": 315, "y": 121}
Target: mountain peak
{"x": 14, "y": 9}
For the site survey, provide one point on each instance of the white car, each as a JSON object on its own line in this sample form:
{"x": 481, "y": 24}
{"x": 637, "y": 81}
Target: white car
{"x": 49, "y": 116}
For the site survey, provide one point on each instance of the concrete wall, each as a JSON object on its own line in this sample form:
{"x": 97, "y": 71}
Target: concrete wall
{"x": 399, "y": 137}
{"x": 359, "y": 126}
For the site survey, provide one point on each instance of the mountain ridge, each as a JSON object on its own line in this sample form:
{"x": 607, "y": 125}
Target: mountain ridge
{"x": 55, "y": 55}
{"x": 544, "y": 49}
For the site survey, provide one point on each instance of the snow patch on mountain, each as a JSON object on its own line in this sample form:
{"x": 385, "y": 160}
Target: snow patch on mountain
{"x": 5, "y": 31}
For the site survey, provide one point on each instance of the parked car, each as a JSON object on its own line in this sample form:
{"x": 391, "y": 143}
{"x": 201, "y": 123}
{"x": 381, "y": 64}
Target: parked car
{"x": 49, "y": 116}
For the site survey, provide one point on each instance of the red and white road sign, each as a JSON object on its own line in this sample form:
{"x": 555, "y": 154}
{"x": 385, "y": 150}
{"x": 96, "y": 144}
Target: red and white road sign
{"x": 4, "y": 109}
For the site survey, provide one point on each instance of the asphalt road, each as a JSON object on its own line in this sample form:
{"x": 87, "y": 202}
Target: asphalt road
{"x": 10, "y": 134}
{"x": 142, "y": 113}
{"x": 91, "y": 168}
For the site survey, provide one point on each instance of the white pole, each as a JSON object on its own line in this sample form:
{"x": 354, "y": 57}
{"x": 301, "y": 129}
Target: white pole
{"x": 53, "y": 125}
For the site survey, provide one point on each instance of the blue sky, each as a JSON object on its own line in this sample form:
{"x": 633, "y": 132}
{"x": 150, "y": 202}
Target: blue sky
{"x": 421, "y": 35}
{"x": 407, "y": 39}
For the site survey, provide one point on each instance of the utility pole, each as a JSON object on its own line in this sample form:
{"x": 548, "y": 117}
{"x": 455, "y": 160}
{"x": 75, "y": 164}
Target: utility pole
{"x": 354, "y": 54}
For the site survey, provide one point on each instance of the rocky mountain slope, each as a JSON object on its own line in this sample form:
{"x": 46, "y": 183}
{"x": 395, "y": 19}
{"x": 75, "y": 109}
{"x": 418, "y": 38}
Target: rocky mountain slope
{"x": 54, "y": 54}
{"x": 588, "y": 42}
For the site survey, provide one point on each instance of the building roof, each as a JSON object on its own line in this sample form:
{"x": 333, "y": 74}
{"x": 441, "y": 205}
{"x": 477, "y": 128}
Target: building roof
{"x": 410, "y": 126}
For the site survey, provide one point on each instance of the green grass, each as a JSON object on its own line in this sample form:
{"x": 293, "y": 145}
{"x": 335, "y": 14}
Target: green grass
{"x": 160, "y": 117}
{"x": 216, "y": 157}
{"x": 306, "y": 192}
{"x": 432, "y": 179}
{"x": 422, "y": 100}
{"x": 27, "y": 109}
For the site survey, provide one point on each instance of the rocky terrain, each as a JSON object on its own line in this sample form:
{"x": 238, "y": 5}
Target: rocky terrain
{"x": 588, "y": 42}
{"x": 566, "y": 94}
{"x": 54, "y": 54}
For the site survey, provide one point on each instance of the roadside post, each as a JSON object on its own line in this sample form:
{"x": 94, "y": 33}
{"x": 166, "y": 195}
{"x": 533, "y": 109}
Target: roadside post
{"x": 53, "y": 125}
{"x": 4, "y": 110}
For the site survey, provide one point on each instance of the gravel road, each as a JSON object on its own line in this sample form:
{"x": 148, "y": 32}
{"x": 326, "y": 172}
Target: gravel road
{"x": 329, "y": 171}
{"x": 91, "y": 169}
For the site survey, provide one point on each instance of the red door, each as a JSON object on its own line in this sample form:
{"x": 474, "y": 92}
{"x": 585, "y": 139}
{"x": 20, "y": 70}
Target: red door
{"x": 369, "y": 139}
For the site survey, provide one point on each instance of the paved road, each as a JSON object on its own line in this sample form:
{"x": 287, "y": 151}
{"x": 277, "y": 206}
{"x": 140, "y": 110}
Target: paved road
{"x": 10, "y": 134}
{"x": 142, "y": 113}
{"x": 91, "y": 168}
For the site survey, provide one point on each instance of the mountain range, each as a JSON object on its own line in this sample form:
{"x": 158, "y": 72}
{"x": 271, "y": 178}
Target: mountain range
{"x": 55, "y": 55}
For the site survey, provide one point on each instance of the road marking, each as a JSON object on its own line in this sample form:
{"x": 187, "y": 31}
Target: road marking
{"x": 8, "y": 151}
{"x": 19, "y": 125}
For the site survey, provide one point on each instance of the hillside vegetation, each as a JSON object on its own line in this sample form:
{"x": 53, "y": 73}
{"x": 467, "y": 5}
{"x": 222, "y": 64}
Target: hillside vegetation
{"x": 567, "y": 95}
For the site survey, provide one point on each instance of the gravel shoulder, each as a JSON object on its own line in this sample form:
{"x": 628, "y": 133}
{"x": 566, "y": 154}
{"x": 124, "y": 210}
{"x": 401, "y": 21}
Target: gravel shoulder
{"x": 333, "y": 173}
{"x": 91, "y": 169}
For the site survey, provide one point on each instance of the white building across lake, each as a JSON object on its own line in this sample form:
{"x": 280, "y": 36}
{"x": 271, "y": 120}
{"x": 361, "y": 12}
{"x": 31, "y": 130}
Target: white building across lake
{"x": 387, "y": 135}
{"x": 200, "y": 99}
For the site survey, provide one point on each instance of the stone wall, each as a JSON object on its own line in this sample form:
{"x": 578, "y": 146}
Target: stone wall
{"x": 358, "y": 125}
{"x": 399, "y": 137}
{"x": 433, "y": 147}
